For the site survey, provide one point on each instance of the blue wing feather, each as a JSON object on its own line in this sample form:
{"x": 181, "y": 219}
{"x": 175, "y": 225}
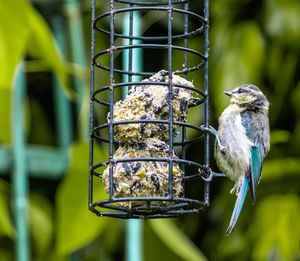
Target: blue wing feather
{"x": 253, "y": 131}
{"x": 255, "y": 170}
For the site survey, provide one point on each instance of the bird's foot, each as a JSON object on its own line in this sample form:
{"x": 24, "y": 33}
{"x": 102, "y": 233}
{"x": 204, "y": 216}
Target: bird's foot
{"x": 208, "y": 174}
{"x": 237, "y": 187}
{"x": 212, "y": 131}
{"x": 233, "y": 190}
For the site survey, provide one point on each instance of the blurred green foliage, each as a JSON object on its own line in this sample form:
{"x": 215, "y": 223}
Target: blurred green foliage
{"x": 23, "y": 31}
{"x": 250, "y": 41}
{"x": 71, "y": 203}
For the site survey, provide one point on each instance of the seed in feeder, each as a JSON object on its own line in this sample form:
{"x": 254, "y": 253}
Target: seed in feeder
{"x": 151, "y": 102}
{"x": 143, "y": 178}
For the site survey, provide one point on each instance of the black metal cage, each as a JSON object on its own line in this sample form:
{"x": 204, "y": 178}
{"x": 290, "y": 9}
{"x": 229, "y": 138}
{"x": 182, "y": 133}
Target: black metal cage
{"x": 106, "y": 90}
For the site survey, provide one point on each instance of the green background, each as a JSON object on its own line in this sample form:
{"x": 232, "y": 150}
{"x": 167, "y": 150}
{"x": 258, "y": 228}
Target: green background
{"x": 250, "y": 42}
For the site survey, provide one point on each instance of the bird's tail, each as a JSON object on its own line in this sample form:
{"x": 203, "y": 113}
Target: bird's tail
{"x": 238, "y": 205}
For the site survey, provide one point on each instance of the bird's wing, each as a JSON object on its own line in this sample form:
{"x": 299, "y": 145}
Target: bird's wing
{"x": 254, "y": 131}
{"x": 255, "y": 170}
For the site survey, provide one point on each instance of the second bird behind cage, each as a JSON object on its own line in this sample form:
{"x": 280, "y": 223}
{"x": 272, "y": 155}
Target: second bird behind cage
{"x": 149, "y": 98}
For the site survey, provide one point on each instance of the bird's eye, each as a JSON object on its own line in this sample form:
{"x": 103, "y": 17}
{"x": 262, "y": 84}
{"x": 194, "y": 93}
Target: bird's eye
{"x": 240, "y": 91}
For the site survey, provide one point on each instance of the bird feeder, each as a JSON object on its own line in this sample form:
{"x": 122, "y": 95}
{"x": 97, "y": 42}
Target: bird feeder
{"x": 145, "y": 171}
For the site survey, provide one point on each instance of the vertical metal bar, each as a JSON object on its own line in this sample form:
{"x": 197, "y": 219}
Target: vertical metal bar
{"x": 132, "y": 61}
{"x": 62, "y": 105}
{"x": 111, "y": 95}
{"x": 92, "y": 116}
{"x": 130, "y": 51}
{"x": 185, "y": 64}
{"x": 170, "y": 92}
{"x": 19, "y": 178}
{"x": 206, "y": 104}
{"x": 127, "y": 53}
{"x": 185, "y": 41}
{"x": 78, "y": 53}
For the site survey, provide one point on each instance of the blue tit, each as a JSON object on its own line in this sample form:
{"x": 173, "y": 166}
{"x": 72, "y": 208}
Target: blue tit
{"x": 243, "y": 142}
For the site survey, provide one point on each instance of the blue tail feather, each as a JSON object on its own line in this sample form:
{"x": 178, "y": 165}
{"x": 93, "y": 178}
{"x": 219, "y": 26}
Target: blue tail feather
{"x": 238, "y": 205}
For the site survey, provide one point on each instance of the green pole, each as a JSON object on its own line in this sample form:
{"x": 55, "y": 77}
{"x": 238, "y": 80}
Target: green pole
{"x": 62, "y": 105}
{"x": 72, "y": 8}
{"x": 19, "y": 177}
{"x": 134, "y": 226}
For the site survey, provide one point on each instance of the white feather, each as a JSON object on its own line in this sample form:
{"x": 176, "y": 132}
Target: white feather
{"x": 236, "y": 159}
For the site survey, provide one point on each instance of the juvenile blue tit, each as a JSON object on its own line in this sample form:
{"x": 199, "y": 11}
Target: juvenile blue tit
{"x": 243, "y": 142}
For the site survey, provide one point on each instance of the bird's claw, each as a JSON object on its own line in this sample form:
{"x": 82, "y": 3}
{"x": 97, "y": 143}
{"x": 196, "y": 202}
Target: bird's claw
{"x": 209, "y": 178}
{"x": 207, "y": 174}
{"x": 209, "y": 129}
{"x": 212, "y": 131}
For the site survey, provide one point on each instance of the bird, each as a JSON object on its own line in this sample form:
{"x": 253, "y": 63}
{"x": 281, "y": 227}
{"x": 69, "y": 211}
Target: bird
{"x": 243, "y": 141}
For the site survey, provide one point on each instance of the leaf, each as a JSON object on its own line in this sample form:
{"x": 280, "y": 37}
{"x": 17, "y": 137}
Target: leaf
{"x": 42, "y": 45}
{"x": 40, "y": 223}
{"x": 277, "y": 219}
{"x": 14, "y": 34}
{"x": 76, "y": 225}
{"x": 5, "y": 114}
{"x": 23, "y": 29}
{"x": 154, "y": 248}
{"x": 6, "y": 227}
{"x": 176, "y": 240}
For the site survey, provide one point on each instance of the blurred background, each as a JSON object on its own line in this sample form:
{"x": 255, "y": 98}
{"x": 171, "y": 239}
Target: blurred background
{"x": 44, "y": 125}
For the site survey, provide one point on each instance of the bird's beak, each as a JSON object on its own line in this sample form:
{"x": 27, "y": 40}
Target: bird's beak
{"x": 229, "y": 93}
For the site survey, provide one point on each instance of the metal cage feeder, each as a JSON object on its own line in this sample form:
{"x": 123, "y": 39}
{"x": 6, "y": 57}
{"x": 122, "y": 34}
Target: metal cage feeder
{"x": 162, "y": 196}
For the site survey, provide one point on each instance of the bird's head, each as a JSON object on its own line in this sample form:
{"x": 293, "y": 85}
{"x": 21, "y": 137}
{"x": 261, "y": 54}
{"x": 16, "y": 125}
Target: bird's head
{"x": 248, "y": 96}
